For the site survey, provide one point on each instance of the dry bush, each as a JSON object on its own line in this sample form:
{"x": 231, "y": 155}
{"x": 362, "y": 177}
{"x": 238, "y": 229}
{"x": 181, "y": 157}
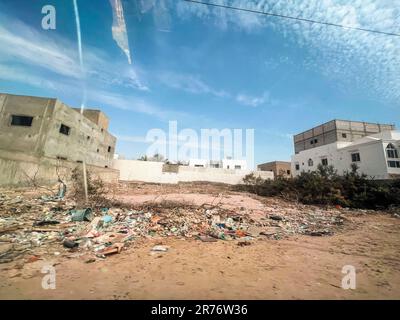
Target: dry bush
{"x": 326, "y": 187}
{"x": 95, "y": 186}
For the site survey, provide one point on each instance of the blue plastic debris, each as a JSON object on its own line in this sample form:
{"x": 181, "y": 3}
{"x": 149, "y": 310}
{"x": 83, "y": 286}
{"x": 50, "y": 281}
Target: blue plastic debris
{"x": 107, "y": 219}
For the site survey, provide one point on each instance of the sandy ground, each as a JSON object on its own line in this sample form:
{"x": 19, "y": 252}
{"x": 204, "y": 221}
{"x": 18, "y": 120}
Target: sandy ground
{"x": 301, "y": 267}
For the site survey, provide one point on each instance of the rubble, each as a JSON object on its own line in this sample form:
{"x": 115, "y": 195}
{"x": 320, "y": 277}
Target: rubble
{"x": 35, "y": 226}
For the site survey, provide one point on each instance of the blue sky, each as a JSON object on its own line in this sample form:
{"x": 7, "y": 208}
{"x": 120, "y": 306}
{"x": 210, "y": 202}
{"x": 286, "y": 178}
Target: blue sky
{"x": 209, "y": 67}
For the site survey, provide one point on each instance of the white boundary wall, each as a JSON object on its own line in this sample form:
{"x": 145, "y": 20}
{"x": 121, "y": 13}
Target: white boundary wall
{"x": 149, "y": 171}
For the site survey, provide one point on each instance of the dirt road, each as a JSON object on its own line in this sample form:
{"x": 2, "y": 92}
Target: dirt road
{"x": 302, "y": 267}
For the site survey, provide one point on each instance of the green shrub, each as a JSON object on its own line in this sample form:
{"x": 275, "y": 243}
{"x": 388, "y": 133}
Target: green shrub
{"x": 326, "y": 187}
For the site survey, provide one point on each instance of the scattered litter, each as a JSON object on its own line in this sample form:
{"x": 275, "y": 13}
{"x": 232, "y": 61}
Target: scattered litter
{"x": 319, "y": 233}
{"x": 107, "y": 219}
{"x": 160, "y": 248}
{"x": 115, "y": 248}
{"x": 32, "y": 259}
{"x": 45, "y": 223}
{"x": 51, "y": 223}
{"x": 70, "y": 244}
{"x": 82, "y": 215}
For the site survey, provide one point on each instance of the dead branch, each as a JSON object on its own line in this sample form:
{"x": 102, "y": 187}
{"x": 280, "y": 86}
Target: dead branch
{"x": 32, "y": 181}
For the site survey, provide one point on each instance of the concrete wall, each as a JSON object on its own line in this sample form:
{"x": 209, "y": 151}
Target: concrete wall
{"x": 86, "y": 140}
{"x": 28, "y": 140}
{"x": 45, "y": 171}
{"x": 96, "y": 116}
{"x": 148, "y": 171}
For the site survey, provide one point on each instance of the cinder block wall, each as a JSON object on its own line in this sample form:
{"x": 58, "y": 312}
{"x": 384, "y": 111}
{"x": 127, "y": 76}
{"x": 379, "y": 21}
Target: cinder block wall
{"x": 45, "y": 171}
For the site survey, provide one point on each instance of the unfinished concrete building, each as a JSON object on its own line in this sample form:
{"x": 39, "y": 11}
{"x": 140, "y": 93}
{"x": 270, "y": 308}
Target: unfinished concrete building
{"x": 279, "y": 168}
{"x": 37, "y": 129}
{"x": 336, "y": 131}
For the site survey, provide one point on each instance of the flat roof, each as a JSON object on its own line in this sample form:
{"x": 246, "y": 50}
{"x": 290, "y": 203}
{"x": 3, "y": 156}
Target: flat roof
{"x": 274, "y": 162}
{"x": 358, "y": 121}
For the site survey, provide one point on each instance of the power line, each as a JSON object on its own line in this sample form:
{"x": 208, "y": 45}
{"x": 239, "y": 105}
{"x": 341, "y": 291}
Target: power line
{"x": 293, "y": 18}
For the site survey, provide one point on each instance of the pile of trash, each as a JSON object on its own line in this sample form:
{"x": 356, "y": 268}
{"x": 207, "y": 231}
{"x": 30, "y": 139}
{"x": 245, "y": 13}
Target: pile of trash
{"x": 56, "y": 224}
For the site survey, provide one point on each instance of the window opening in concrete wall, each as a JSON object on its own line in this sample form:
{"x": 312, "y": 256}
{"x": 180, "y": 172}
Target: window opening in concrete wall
{"x": 65, "y": 129}
{"x": 24, "y": 121}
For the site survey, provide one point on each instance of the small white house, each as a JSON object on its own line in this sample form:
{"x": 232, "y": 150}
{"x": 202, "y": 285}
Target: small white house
{"x": 376, "y": 155}
{"x": 231, "y": 164}
{"x": 234, "y": 164}
{"x": 198, "y": 163}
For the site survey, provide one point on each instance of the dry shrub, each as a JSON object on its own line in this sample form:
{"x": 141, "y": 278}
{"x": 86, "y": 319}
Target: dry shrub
{"x": 326, "y": 187}
{"x": 96, "y": 189}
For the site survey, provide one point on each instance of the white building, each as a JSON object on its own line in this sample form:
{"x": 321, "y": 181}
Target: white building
{"x": 376, "y": 155}
{"x": 198, "y": 163}
{"x": 232, "y": 164}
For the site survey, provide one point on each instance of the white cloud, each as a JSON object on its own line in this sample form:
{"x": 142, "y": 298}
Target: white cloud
{"x": 189, "y": 83}
{"x": 256, "y": 101}
{"x": 252, "y": 101}
{"x": 355, "y": 59}
{"x": 97, "y": 96}
{"x": 18, "y": 74}
{"x": 23, "y": 45}
{"x": 33, "y": 58}
{"x": 126, "y": 102}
